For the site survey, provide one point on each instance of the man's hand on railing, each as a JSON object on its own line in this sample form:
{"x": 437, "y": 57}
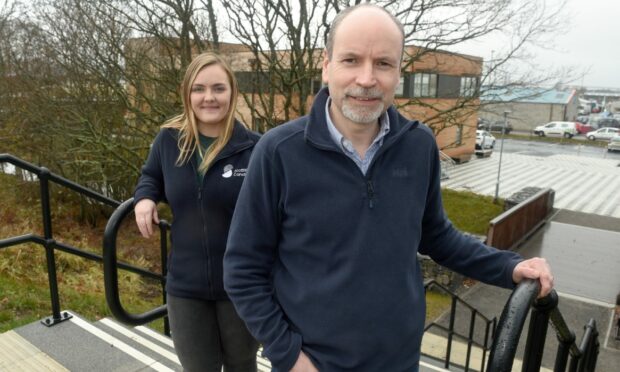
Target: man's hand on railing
{"x": 535, "y": 268}
{"x": 146, "y": 214}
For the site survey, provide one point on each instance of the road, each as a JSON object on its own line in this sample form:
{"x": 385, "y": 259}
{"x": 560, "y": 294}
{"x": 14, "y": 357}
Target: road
{"x": 584, "y": 179}
{"x": 538, "y": 148}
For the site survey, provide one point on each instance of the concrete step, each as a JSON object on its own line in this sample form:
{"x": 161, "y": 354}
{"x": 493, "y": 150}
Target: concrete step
{"x": 17, "y": 354}
{"x": 78, "y": 345}
{"x": 435, "y": 346}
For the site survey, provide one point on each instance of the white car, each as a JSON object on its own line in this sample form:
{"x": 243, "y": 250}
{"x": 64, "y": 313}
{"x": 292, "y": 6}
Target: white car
{"x": 484, "y": 140}
{"x": 559, "y": 128}
{"x": 602, "y": 133}
{"x": 614, "y": 143}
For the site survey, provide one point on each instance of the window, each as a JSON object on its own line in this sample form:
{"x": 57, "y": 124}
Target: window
{"x": 400, "y": 88}
{"x": 424, "y": 85}
{"x": 448, "y": 86}
{"x": 468, "y": 86}
{"x": 459, "y": 135}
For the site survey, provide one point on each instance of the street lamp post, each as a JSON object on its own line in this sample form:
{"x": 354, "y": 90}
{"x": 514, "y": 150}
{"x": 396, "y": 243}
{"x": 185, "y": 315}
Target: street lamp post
{"x": 501, "y": 151}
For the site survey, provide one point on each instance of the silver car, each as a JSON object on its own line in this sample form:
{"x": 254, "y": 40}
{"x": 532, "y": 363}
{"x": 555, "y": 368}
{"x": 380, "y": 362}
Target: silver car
{"x": 614, "y": 143}
{"x": 602, "y": 134}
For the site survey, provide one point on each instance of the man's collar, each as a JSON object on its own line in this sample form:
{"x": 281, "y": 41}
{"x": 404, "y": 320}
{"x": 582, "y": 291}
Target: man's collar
{"x": 384, "y": 122}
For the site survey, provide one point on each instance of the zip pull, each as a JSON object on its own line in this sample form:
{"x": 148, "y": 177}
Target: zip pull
{"x": 200, "y": 193}
{"x": 371, "y": 193}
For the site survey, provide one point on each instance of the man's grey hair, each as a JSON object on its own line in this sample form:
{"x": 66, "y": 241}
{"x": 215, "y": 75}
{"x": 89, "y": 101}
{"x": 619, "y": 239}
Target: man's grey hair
{"x": 329, "y": 45}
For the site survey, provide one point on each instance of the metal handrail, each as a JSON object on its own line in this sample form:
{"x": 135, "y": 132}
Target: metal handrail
{"x": 110, "y": 269}
{"x": 510, "y": 326}
{"x": 544, "y": 311}
{"x": 48, "y": 242}
{"x": 43, "y": 172}
{"x": 489, "y": 325}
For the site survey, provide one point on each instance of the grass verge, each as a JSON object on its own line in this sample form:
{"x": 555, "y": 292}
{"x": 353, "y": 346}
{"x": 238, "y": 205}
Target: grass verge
{"x": 470, "y": 212}
{"x": 24, "y": 290}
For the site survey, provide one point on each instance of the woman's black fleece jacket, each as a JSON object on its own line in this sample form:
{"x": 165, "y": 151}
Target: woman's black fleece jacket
{"x": 202, "y": 212}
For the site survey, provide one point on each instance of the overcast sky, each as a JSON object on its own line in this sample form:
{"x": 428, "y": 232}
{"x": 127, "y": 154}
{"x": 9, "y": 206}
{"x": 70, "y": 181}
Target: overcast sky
{"x": 590, "y": 43}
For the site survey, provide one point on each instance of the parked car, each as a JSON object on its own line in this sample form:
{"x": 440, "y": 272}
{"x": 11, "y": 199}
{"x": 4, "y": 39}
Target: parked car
{"x": 559, "y": 128}
{"x": 601, "y": 122}
{"x": 602, "y": 134}
{"x": 583, "y": 128}
{"x": 583, "y": 119}
{"x": 497, "y": 126}
{"x": 484, "y": 140}
{"x": 614, "y": 143}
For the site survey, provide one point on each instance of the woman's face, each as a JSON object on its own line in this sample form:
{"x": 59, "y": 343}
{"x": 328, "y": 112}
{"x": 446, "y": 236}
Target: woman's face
{"x": 210, "y": 98}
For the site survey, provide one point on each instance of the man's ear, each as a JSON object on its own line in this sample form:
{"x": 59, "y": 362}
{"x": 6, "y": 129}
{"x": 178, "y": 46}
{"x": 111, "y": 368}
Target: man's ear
{"x": 325, "y": 68}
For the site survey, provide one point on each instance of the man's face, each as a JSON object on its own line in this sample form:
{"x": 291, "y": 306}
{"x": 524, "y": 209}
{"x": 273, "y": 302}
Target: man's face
{"x": 364, "y": 69}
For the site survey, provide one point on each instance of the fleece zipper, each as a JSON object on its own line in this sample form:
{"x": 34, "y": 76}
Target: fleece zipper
{"x": 208, "y": 269}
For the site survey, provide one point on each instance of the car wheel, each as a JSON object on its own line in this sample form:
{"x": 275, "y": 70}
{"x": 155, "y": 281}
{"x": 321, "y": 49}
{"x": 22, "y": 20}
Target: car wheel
{"x": 591, "y": 138}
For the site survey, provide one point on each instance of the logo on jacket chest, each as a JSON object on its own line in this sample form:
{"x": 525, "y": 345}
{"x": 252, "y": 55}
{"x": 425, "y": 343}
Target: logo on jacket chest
{"x": 400, "y": 172}
{"x": 230, "y": 171}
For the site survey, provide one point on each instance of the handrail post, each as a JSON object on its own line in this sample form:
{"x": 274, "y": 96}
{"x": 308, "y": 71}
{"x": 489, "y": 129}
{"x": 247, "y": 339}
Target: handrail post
{"x": 537, "y": 333}
{"x": 472, "y": 324}
{"x": 591, "y": 347}
{"x": 485, "y": 345}
{"x": 450, "y": 332}
{"x": 561, "y": 357}
{"x": 56, "y": 317}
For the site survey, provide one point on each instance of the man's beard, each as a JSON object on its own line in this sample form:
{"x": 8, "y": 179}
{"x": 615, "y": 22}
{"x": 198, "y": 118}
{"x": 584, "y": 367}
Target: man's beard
{"x": 366, "y": 115}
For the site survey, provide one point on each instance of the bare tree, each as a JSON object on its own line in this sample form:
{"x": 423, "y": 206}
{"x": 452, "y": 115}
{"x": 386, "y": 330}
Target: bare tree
{"x": 87, "y": 83}
{"x": 286, "y": 39}
{"x": 96, "y": 79}
{"x": 285, "y": 44}
{"x": 448, "y": 24}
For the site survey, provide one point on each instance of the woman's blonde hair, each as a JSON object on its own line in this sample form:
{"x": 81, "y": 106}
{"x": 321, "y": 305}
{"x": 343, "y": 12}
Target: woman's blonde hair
{"x": 185, "y": 123}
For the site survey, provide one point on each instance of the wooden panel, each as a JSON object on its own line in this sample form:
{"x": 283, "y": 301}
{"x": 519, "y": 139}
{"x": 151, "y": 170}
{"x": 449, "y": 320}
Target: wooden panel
{"x": 514, "y": 225}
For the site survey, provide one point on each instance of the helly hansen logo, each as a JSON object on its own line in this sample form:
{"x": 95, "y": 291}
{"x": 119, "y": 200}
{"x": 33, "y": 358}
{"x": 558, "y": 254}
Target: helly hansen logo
{"x": 230, "y": 171}
{"x": 400, "y": 172}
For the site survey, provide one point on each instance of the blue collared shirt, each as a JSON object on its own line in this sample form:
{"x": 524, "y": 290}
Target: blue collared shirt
{"x": 347, "y": 147}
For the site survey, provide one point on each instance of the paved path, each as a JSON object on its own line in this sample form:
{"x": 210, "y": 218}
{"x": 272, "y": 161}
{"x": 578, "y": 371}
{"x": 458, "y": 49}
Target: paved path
{"x": 581, "y": 184}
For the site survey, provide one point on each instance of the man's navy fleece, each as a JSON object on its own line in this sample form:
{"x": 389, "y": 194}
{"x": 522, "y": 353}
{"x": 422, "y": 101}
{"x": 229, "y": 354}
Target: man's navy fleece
{"x": 324, "y": 259}
{"x": 202, "y": 212}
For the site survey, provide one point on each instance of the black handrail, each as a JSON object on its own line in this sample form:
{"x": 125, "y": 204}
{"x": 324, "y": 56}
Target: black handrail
{"x": 110, "y": 271}
{"x": 51, "y": 245}
{"x": 544, "y": 310}
{"x": 510, "y": 326}
{"x": 489, "y": 325}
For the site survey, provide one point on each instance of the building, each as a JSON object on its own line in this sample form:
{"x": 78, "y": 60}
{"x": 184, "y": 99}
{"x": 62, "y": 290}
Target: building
{"x": 437, "y": 87}
{"x": 529, "y": 107}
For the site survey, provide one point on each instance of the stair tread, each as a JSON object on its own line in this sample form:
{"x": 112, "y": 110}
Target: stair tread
{"x": 153, "y": 340}
{"x": 435, "y": 346}
{"x": 17, "y": 354}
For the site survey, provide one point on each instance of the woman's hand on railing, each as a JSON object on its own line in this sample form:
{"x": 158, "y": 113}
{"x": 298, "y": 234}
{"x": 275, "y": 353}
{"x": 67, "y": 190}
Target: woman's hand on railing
{"x": 535, "y": 268}
{"x": 146, "y": 213}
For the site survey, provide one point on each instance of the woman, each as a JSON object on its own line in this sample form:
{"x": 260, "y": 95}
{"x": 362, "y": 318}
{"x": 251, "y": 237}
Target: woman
{"x": 197, "y": 164}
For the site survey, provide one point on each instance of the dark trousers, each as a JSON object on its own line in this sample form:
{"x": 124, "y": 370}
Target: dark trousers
{"x": 209, "y": 334}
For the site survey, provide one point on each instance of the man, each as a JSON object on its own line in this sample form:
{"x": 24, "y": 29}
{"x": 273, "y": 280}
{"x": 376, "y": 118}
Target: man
{"x": 321, "y": 261}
